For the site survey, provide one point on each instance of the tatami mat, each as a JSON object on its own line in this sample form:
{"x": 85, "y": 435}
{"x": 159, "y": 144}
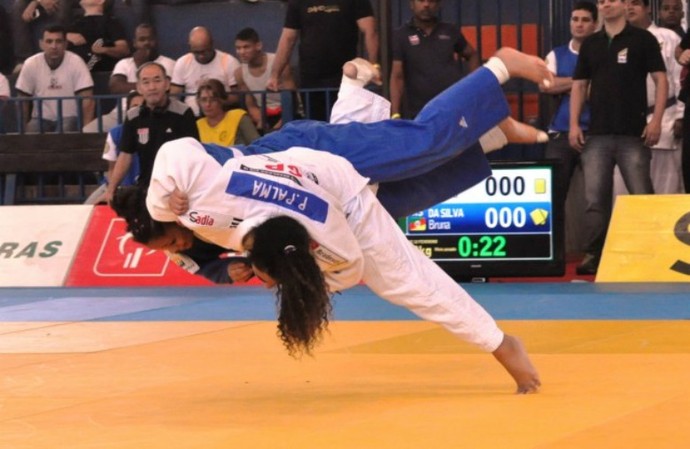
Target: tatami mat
{"x": 381, "y": 384}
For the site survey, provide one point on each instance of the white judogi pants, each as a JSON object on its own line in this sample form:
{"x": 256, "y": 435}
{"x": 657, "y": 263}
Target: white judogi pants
{"x": 357, "y": 104}
{"x": 397, "y": 271}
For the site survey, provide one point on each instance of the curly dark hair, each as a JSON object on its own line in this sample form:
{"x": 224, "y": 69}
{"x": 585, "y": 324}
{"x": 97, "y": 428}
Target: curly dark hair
{"x": 282, "y": 249}
{"x": 129, "y": 202}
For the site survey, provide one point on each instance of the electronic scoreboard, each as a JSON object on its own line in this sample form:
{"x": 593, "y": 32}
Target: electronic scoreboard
{"x": 511, "y": 224}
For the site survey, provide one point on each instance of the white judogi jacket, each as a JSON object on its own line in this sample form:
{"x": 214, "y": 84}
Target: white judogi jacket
{"x": 354, "y": 237}
{"x": 313, "y": 187}
{"x": 668, "y": 41}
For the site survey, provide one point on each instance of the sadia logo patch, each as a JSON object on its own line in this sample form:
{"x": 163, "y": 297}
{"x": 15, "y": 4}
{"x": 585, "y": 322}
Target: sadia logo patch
{"x": 201, "y": 219}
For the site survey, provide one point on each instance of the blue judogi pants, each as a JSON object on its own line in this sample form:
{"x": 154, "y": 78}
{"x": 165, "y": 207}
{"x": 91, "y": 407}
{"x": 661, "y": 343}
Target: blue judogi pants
{"x": 418, "y": 163}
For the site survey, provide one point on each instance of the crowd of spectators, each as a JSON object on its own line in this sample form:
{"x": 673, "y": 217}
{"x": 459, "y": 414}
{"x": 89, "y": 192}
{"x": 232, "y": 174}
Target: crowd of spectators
{"x": 89, "y": 31}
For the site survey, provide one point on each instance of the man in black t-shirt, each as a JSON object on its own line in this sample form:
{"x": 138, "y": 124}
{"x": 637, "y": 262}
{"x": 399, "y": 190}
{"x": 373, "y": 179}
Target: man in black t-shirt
{"x": 328, "y": 31}
{"x": 612, "y": 66}
{"x": 159, "y": 120}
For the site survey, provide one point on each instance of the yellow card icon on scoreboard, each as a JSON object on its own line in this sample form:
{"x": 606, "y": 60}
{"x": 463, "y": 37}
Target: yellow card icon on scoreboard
{"x": 539, "y": 216}
{"x": 540, "y": 185}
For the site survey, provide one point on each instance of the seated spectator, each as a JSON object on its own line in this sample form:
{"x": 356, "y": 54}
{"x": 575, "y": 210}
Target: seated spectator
{"x": 27, "y": 15}
{"x": 219, "y": 125}
{"x": 99, "y": 39}
{"x": 55, "y": 72}
{"x": 253, "y": 76}
{"x": 202, "y": 62}
{"x": 124, "y": 76}
{"x": 145, "y": 44}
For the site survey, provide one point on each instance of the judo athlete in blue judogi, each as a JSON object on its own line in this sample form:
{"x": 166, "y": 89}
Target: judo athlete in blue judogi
{"x": 417, "y": 163}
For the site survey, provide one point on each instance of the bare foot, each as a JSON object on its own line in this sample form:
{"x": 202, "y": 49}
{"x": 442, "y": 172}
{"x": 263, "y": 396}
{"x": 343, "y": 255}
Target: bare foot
{"x": 362, "y": 70}
{"x": 525, "y": 66}
{"x": 518, "y": 132}
{"x": 513, "y": 356}
{"x": 350, "y": 70}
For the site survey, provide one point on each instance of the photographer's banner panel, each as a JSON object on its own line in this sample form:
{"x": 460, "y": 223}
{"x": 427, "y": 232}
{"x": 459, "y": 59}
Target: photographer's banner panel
{"x": 648, "y": 240}
{"x": 38, "y": 243}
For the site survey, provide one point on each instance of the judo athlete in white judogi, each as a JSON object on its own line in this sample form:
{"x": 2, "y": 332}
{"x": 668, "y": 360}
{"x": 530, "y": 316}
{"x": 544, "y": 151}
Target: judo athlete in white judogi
{"x": 355, "y": 239}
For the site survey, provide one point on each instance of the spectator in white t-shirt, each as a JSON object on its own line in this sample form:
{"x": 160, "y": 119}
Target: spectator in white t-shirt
{"x": 55, "y": 72}
{"x": 124, "y": 77}
{"x": 202, "y": 62}
{"x": 4, "y": 88}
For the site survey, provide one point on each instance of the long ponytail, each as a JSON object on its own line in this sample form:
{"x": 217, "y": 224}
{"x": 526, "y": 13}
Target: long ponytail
{"x": 281, "y": 248}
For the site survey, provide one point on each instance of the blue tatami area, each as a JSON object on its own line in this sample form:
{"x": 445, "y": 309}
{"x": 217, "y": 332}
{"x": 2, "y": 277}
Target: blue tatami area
{"x": 519, "y": 301}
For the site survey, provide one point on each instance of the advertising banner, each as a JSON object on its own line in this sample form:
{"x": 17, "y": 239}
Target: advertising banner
{"x": 38, "y": 243}
{"x": 109, "y": 257}
{"x": 648, "y": 240}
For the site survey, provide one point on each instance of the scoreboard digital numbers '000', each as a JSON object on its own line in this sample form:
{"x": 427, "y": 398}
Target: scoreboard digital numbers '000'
{"x": 507, "y": 219}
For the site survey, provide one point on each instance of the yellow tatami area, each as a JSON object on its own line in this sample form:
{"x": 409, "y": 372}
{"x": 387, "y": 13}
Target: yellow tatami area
{"x": 374, "y": 384}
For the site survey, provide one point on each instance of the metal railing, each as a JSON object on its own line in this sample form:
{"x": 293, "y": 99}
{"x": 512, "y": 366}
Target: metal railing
{"x": 13, "y": 119}
{"x": 75, "y": 187}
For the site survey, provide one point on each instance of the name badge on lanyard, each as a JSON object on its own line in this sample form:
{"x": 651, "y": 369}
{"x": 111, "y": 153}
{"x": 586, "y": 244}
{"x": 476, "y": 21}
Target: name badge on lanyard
{"x": 143, "y": 134}
{"x": 623, "y": 56}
